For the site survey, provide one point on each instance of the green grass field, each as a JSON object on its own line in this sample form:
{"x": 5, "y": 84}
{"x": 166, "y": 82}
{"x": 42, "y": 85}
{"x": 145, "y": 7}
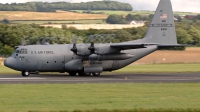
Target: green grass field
{"x": 160, "y": 68}
{"x": 69, "y": 97}
{"x": 129, "y": 97}
{"x": 5, "y": 70}
{"x": 156, "y": 68}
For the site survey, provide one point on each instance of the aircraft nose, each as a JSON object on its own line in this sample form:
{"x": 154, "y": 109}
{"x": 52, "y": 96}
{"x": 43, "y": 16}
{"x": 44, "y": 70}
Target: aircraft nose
{"x": 9, "y": 62}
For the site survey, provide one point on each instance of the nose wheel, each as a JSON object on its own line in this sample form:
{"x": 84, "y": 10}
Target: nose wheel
{"x": 25, "y": 73}
{"x": 96, "y": 74}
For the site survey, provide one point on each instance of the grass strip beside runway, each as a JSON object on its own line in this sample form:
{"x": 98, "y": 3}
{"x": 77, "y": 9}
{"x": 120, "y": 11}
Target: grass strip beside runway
{"x": 5, "y": 70}
{"x": 160, "y": 68}
{"x": 156, "y": 68}
{"x": 69, "y": 97}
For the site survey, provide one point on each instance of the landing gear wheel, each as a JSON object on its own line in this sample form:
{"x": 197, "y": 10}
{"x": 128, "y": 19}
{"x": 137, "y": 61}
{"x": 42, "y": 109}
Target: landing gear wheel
{"x": 25, "y": 73}
{"x": 72, "y": 73}
{"x": 87, "y": 74}
{"x": 81, "y": 73}
{"x": 96, "y": 74}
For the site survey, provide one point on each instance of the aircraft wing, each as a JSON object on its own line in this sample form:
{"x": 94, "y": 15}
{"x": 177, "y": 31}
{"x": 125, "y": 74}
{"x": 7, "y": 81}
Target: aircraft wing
{"x": 124, "y": 46}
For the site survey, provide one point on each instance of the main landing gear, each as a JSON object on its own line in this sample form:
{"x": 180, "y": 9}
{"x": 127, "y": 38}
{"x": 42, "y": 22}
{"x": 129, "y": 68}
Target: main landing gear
{"x": 81, "y": 73}
{"x": 72, "y": 73}
{"x": 96, "y": 74}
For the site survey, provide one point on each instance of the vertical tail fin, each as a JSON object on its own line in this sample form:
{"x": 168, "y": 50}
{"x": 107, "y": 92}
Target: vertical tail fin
{"x": 162, "y": 27}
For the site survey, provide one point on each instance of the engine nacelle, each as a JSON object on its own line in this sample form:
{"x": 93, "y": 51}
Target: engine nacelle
{"x": 83, "y": 50}
{"x": 120, "y": 56}
{"x": 74, "y": 65}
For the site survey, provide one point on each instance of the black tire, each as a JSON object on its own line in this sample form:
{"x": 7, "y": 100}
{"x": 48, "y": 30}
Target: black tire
{"x": 25, "y": 73}
{"x": 96, "y": 74}
{"x": 72, "y": 73}
{"x": 87, "y": 74}
{"x": 81, "y": 73}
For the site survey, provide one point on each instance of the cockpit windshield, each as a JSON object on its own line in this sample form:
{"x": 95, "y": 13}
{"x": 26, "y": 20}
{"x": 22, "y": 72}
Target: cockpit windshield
{"x": 21, "y": 51}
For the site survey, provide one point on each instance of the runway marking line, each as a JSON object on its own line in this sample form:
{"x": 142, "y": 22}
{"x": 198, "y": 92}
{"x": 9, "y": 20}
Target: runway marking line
{"x": 35, "y": 78}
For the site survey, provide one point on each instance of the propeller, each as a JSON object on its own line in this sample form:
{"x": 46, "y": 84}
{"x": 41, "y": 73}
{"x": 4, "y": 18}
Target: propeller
{"x": 38, "y": 43}
{"x": 74, "y": 48}
{"x": 44, "y": 41}
{"x": 23, "y": 42}
{"x": 92, "y": 48}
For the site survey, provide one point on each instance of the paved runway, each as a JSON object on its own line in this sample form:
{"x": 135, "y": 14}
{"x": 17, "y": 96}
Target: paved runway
{"x": 104, "y": 78}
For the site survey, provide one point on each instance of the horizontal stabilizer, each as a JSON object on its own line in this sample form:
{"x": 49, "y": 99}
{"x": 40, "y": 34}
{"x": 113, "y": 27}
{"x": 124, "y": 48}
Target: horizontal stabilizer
{"x": 168, "y": 46}
{"x": 177, "y": 45}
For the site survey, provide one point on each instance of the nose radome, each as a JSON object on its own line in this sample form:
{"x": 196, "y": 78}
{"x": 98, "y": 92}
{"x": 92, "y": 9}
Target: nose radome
{"x": 9, "y": 62}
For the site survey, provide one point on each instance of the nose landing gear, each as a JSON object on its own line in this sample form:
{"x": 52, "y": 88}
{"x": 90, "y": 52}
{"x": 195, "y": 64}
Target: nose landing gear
{"x": 25, "y": 73}
{"x": 96, "y": 74}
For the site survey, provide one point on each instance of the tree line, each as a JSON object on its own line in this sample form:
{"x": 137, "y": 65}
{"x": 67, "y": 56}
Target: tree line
{"x": 12, "y": 35}
{"x": 52, "y": 7}
{"x": 120, "y": 19}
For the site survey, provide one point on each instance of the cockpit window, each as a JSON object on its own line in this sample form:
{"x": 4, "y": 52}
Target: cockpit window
{"x": 21, "y": 51}
{"x": 17, "y": 51}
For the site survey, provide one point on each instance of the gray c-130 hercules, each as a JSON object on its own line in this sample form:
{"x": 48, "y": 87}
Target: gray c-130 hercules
{"x": 87, "y": 59}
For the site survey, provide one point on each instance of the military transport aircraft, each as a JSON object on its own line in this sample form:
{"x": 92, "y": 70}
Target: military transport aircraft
{"x": 87, "y": 59}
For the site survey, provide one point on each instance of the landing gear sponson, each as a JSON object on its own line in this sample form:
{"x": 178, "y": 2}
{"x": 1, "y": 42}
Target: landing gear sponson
{"x": 83, "y": 74}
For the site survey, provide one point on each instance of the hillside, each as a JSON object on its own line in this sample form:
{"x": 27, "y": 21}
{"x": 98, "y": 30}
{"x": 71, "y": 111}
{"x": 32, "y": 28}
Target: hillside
{"x": 53, "y": 6}
{"x": 22, "y": 15}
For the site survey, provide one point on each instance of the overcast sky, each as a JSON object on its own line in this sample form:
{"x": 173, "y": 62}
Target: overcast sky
{"x": 178, "y": 5}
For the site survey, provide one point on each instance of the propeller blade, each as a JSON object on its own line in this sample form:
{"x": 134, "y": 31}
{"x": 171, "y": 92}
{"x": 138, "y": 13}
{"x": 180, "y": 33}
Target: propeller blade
{"x": 74, "y": 48}
{"x": 23, "y": 42}
{"x": 74, "y": 40}
{"x": 44, "y": 41}
{"x": 92, "y": 48}
{"x": 92, "y": 39}
{"x": 38, "y": 43}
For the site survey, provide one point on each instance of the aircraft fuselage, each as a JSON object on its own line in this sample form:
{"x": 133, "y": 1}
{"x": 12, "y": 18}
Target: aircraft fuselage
{"x": 52, "y": 58}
